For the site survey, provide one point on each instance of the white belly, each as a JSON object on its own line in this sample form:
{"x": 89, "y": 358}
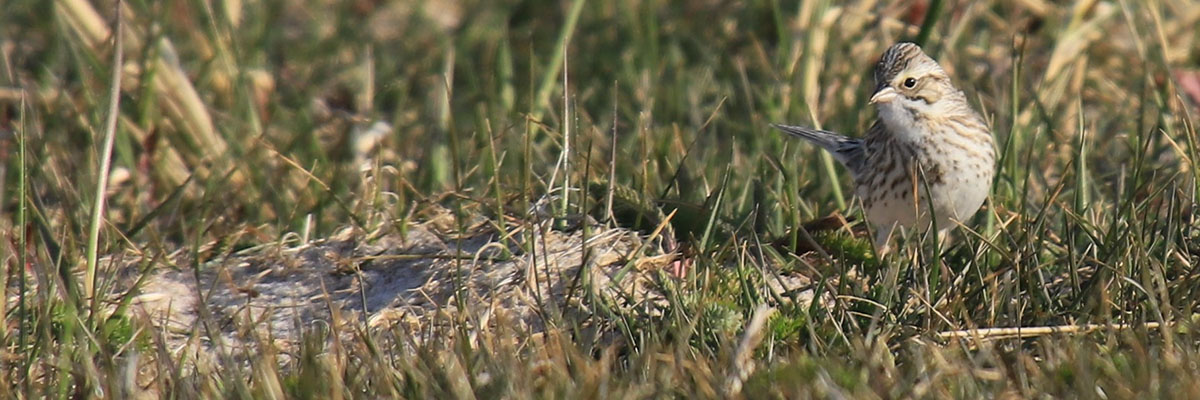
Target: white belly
{"x": 956, "y": 197}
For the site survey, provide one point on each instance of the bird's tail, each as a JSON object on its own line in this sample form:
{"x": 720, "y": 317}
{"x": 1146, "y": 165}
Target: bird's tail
{"x": 845, "y": 150}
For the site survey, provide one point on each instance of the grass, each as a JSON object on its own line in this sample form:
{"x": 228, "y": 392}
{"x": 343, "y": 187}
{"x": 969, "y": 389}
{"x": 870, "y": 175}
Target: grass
{"x": 243, "y": 125}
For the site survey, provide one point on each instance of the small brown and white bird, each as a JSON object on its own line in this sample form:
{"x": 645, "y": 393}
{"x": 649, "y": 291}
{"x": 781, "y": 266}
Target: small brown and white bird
{"x": 927, "y": 135}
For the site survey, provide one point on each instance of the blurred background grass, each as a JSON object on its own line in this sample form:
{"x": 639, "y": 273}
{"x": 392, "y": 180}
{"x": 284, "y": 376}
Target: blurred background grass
{"x": 242, "y": 121}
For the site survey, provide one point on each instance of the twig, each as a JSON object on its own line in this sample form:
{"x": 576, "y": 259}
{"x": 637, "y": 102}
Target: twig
{"x": 1023, "y": 332}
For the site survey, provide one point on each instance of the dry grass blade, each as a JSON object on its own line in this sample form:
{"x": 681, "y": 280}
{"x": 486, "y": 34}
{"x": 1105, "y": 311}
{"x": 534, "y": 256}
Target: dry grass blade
{"x": 742, "y": 363}
{"x": 110, "y": 133}
{"x": 171, "y": 83}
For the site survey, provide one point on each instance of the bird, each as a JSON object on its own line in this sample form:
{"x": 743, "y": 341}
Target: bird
{"x": 927, "y": 151}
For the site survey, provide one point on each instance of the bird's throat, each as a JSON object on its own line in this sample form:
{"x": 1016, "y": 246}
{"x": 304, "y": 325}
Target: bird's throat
{"x": 904, "y": 120}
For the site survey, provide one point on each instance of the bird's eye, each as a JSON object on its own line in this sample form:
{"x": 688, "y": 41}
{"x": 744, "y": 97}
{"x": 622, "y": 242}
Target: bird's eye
{"x": 910, "y": 83}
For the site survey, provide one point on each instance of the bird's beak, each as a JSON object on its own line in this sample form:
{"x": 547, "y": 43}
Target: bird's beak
{"x": 884, "y": 95}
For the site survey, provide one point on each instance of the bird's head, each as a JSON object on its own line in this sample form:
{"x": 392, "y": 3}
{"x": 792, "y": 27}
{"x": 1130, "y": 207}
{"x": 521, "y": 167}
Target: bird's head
{"x": 911, "y": 89}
